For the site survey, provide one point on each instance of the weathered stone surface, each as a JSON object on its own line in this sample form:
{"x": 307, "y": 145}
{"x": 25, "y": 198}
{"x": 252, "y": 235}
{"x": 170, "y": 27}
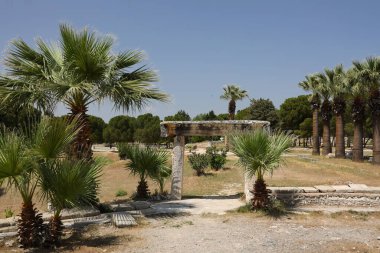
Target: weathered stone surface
{"x": 122, "y": 207}
{"x": 324, "y": 188}
{"x": 342, "y": 188}
{"x": 123, "y": 219}
{"x": 374, "y": 189}
{"x": 177, "y": 167}
{"x": 248, "y": 185}
{"x": 74, "y": 213}
{"x": 140, "y": 205}
{"x": 359, "y": 187}
{"x": 7, "y": 234}
{"x": 284, "y": 189}
{"x": 308, "y": 189}
{"x": 8, "y": 222}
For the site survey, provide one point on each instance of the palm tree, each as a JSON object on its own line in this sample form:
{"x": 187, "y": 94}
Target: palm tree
{"x": 78, "y": 70}
{"x": 310, "y": 84}
{"x": 66, "y": 184}
{"x": 233, "y": 93}
{"x": 357, "y": 111}
{"x": 145, "y": 162}
{"x": 260, "y": 152}
{"x": 21, "y": 155}
{"x": 324, "y": 90}
{"x": 368, "y": 74}
{"x": 339, "y": 90}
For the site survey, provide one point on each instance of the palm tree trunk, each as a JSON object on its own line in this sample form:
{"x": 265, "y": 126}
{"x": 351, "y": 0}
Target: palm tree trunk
{"x": 55, "y": 230}
{"x": 316, "y": 146}
{"x": 339, "y": 146}
{"x": 376, "y": 138}
{"x": 231, "y": 109}
{"x": 326, "y": 138}
{"x": 260, "y": 194}
{"x": 357, "y": 148}
{"x": 30, "y": 226}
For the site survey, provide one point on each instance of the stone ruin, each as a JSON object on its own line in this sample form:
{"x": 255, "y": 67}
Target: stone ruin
{"x": 180, "y": 129}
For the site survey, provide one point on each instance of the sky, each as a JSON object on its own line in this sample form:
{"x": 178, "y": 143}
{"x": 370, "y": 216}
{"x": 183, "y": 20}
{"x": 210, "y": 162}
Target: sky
{"x": 199, "y": 46}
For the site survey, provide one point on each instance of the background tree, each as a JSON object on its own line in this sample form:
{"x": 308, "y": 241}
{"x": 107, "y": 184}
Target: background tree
{"x": 148, "y": 129}
{"x": 324, "y": 84}
{"x": 339, "y": 90}
{"x": 120, "y": 128}
{"x": 368, "y": 74}
{"x": 181, "y": 115}
{"x": 78, "y": 70}
{"x": 293, "y": 111}
{"x": 310, "y": 84}
{"x": 263, "y": 109}
{"x": 233, "y": 93}
{"x": 97, "y": 126}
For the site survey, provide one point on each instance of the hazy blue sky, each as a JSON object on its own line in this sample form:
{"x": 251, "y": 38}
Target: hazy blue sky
{"x": 197, "y": 47}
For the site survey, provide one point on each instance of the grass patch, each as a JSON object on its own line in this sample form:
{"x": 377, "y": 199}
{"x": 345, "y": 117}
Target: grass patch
{"x": 121, "y": 193}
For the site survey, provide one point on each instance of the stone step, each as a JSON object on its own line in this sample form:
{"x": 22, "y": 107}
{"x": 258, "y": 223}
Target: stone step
{"x": 123, "y": 219}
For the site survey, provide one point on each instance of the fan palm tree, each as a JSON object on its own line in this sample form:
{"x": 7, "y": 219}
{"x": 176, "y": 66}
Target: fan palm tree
{"x": 21, "y": 154}
{"x": 358, "y": 99}
{"x": 324, "y": 89}
{"x": 260, "y": 152}
{"x": 233, "y": 93}
{"x": 339, "y": 91}
{"x": 66, "y": 184}
{"x": 145, "y": 162}
{"x": 368, "y": 75}
{"x": 78, "y": 70}
{"x": 310, "y": 84}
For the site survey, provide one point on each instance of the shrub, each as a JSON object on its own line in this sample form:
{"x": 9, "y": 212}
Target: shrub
{"x": 121, "y": 147}
{"x": 8, "y": 212}
{"x": 217, "y": 157}
{"x": 121, "y": 193}
{"x": 198, "y": 162}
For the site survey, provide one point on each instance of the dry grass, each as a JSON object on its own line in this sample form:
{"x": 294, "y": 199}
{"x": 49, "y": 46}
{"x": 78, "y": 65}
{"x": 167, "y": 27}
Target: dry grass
{"x": 299, "y": 170}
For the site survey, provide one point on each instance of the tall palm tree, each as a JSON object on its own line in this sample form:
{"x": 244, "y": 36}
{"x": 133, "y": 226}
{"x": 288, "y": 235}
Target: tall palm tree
{"x": 339, "y": 90}
{"x": 21, "y": 155}
{"x": 78, "y": 70}
{"x": 66, "y": 184}
{"x": 324, "y": 80}
{"x": 233, "y": 93}
{"x": 260, "y": 152}
{"x": 358, "y": 101}
{"x": 145, "y": 162}
{"x": 368, "y": 74}
{"x": 311, "y": 84}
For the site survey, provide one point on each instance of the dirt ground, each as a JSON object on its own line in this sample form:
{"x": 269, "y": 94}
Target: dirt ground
{"x": 315, "y": 232}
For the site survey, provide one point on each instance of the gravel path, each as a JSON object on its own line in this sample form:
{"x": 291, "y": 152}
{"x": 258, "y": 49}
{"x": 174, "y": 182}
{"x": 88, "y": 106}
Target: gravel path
{"x": 244, "y": 233}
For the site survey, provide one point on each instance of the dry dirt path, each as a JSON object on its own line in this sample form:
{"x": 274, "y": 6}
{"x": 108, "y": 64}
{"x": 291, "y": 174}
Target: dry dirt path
{"x": 244, "y": 233}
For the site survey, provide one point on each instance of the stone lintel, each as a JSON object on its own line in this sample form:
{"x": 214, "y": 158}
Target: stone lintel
{"x": 209, "y": 128}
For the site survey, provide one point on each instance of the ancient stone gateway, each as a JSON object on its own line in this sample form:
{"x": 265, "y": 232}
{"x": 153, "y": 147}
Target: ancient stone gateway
{"x": 180, "y": 129}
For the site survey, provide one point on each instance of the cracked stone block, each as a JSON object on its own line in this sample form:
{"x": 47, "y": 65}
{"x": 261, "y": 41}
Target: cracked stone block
{"x": 123, "y": 219}
{"x": 324, "y": 188}
{"x": 342, "y": 188}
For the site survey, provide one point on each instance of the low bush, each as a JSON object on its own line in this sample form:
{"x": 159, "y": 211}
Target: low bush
{"x": 121, "y": 147}
{"x": 198, "y": 162}
{"x": 8, "y": 212}
{"x": 217, "y": 157}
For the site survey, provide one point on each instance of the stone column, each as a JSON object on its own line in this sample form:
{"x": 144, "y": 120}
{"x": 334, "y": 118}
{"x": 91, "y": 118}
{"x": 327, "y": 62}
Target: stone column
{"x": 248, "y": 186}
{"x": 177, "y": 166}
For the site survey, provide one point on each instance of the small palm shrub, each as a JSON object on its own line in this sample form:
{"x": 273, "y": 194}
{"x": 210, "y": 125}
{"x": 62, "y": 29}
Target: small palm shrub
{"x": 198, "y": 162}
{"x": 121, "y": 148}
{"x": 145, "y": 162}
{"x": 8, "y": 212}
{"x": 260, "y": 152}
{"x": 161, "y": 177}
{"x": 217, "y": 157}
